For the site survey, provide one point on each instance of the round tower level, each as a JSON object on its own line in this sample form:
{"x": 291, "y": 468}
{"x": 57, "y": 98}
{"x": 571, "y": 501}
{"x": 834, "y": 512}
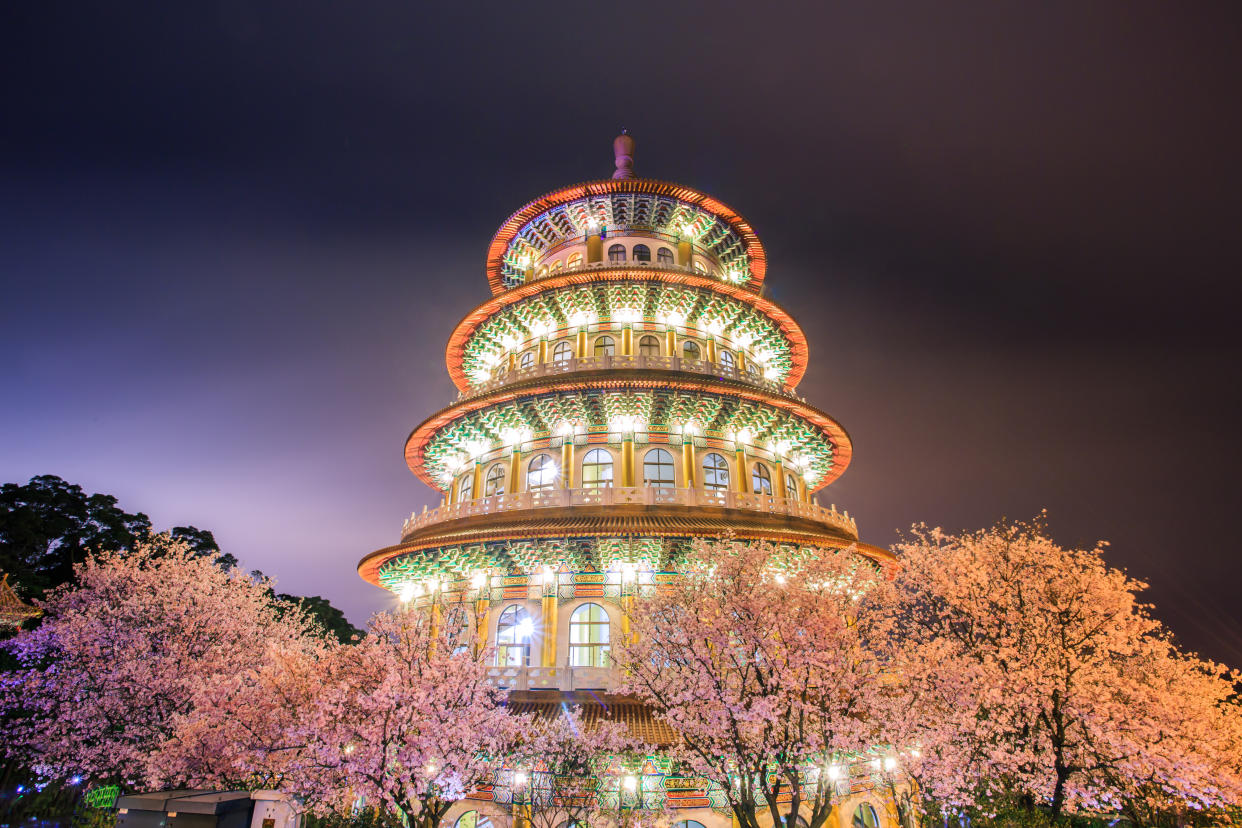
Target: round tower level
{"x": 626, "y": 389}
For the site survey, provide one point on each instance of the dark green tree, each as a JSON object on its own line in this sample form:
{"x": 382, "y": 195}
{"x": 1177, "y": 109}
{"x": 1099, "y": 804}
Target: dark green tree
{"x": 328, "y": 616}
{"x": 48, "y": 525}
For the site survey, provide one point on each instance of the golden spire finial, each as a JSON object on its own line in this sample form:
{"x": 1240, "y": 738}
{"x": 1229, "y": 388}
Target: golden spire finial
{"x": 623, "y": 149}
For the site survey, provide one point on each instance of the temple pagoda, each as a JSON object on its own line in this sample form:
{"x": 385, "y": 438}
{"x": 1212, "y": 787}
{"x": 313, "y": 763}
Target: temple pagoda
{"x": 626, "y": 389}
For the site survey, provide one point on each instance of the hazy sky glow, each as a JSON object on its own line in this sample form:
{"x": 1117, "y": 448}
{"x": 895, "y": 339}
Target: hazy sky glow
{"x": 234, "y": 240}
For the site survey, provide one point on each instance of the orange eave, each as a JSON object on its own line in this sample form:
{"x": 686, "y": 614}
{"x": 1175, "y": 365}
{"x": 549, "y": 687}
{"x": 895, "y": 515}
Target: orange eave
{"x": 509, "y": 230}
{"x": 421, "y": 436}
{"x": 455, "y": 353}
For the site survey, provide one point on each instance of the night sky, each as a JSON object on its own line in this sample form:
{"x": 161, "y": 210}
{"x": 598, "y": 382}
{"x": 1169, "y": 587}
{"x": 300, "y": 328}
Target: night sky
{"x": 234, "y": 238}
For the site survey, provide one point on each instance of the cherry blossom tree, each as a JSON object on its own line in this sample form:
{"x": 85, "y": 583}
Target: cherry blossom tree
{"x": 1041, "y": 677}
{"x": 768, "y": 665}
{"x": 555, "y": 774}
{"x": 406, "y": 718}
{"x": 136, "y": 667}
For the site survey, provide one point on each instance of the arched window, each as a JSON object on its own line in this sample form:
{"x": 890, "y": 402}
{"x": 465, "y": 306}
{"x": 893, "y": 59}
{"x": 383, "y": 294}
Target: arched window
{"x": 513, "y": 634}
{"x": 761, "y": 480}
{"x": 752, "y": 370}
{"x": 457, "y": 626}
{"x": 543, "y": 271}
{"x": 664, "y": 256}
{"x": 616, "y": 253}
{"x": 528, "y": 360}
{"x": 495, "y": 482}
{"x": 540, "y": 474}
{"x": 473, "y": 819}
{"x": 658, "y": 469}
{"x": 597, "y": 469}
{"x": 690, "y": 349}
{"x": 715, "y": 473}
{"x": 688, "y": 823}
{"x": 562, "y": 352}
{"x": 726, "y": 360}
{"x": 649, "y": 346}
{"x": 791, "y": 487}
{"x": 700, "y": 267}
{"x": 575, "y": 260}
{"x": 642, "y": 253}
{"x": 465, "y": 488}
{"x": 588, "y": 637}
{"x": 604, "y": 346}
{"x": 866, "y": 817}
{"x": 556, "y": 266}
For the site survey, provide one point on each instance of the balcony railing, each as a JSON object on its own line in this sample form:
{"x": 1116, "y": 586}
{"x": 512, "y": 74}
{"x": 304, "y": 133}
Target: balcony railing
{"x": 633, "y": 496}
{"x": 552, "y": 678}
{"x": 603, "y": 363}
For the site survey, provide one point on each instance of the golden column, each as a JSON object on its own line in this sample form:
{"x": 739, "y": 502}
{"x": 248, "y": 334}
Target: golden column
{"x": 515, "y": 469}
{"x": 627, "y": 340}
{"x": 550, "y": 583}
{"x": 482, "y": 611}
{"x": 687, "y": 460}
{"x": 627, "y": 459}
{"x": 739, "y": 461}
{"x": 582, "y": 343}
{"x": 567, "y": 462}
{"x": 477, "y": 486}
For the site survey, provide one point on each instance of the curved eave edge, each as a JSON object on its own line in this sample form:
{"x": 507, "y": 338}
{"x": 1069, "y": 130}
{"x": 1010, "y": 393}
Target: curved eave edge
{"x": 509, "y": 230}
{"x": 454, "y": 353}
{"x": 418, "y": 439}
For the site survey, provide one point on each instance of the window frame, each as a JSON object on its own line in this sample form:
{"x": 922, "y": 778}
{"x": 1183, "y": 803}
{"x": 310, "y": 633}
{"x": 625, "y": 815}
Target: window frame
{"x": 465, "y": 487}
{"x": 791, "y": 486}
{"x": 616, "y": 253}
{"x": 646, "y": 252}
{"x": 760, "y": 478}
{"x": 599, "y": 652}
{"x": 599, "y": 483}
{"x": 547, "y": 467}
{"x": 562, "y": 352}
{"x": 598, "y": 345}
{"x": 723, "y": 469}
{"x": 648, "y": 341}
{"x": 686, "y": 345}
{"x": 671, "y": 483}
{"x": 492, "y": 477}
{"x": 520, "y": 613}
{"x": 664, "y": 256}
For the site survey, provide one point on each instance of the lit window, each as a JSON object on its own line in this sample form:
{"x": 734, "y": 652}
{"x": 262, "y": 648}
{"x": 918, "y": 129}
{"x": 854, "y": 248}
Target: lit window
{"x": 540, "y": 474}
{"x": 473, "y": 819}
{"x": 575, "y": 260}
{"x": 588, "y": 637}
{"x": 457, "y": 627}
{"x": 604, "y": 346}
{"x": 752, "y": 370}
{"x": 562, "y": 352}
{"x": 664, "y": 256}
{"x": 597, "y": 469}
{"x": 513, "y": 632}
{"x": 495, "y": 482}
{"x": 700, "y": 267}
{"x": 555, "y": 266}
{"x": 465, "y": 489}
{"x": 865, "y": 817}
{"x": 690, "y": 349}
{"x": 528, "y": 360}
{"x": 616, "y": 253}
{"x": 791, "y": 487}
{"x": 658, "y": 469}
{"x": 761, "y": 480}
{"x": 543, "y": 271}
{"x": 642, "y": 253}
{"x": 715, "y": 473}
{"x": 649, "y": 346}
{"x": 686, "y": 823}
{"x": 726, "y": 360}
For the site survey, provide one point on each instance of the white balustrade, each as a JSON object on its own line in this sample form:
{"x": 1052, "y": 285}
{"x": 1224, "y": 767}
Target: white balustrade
{"x": 629, "y": 363}
{"x": 633, "y": 496}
